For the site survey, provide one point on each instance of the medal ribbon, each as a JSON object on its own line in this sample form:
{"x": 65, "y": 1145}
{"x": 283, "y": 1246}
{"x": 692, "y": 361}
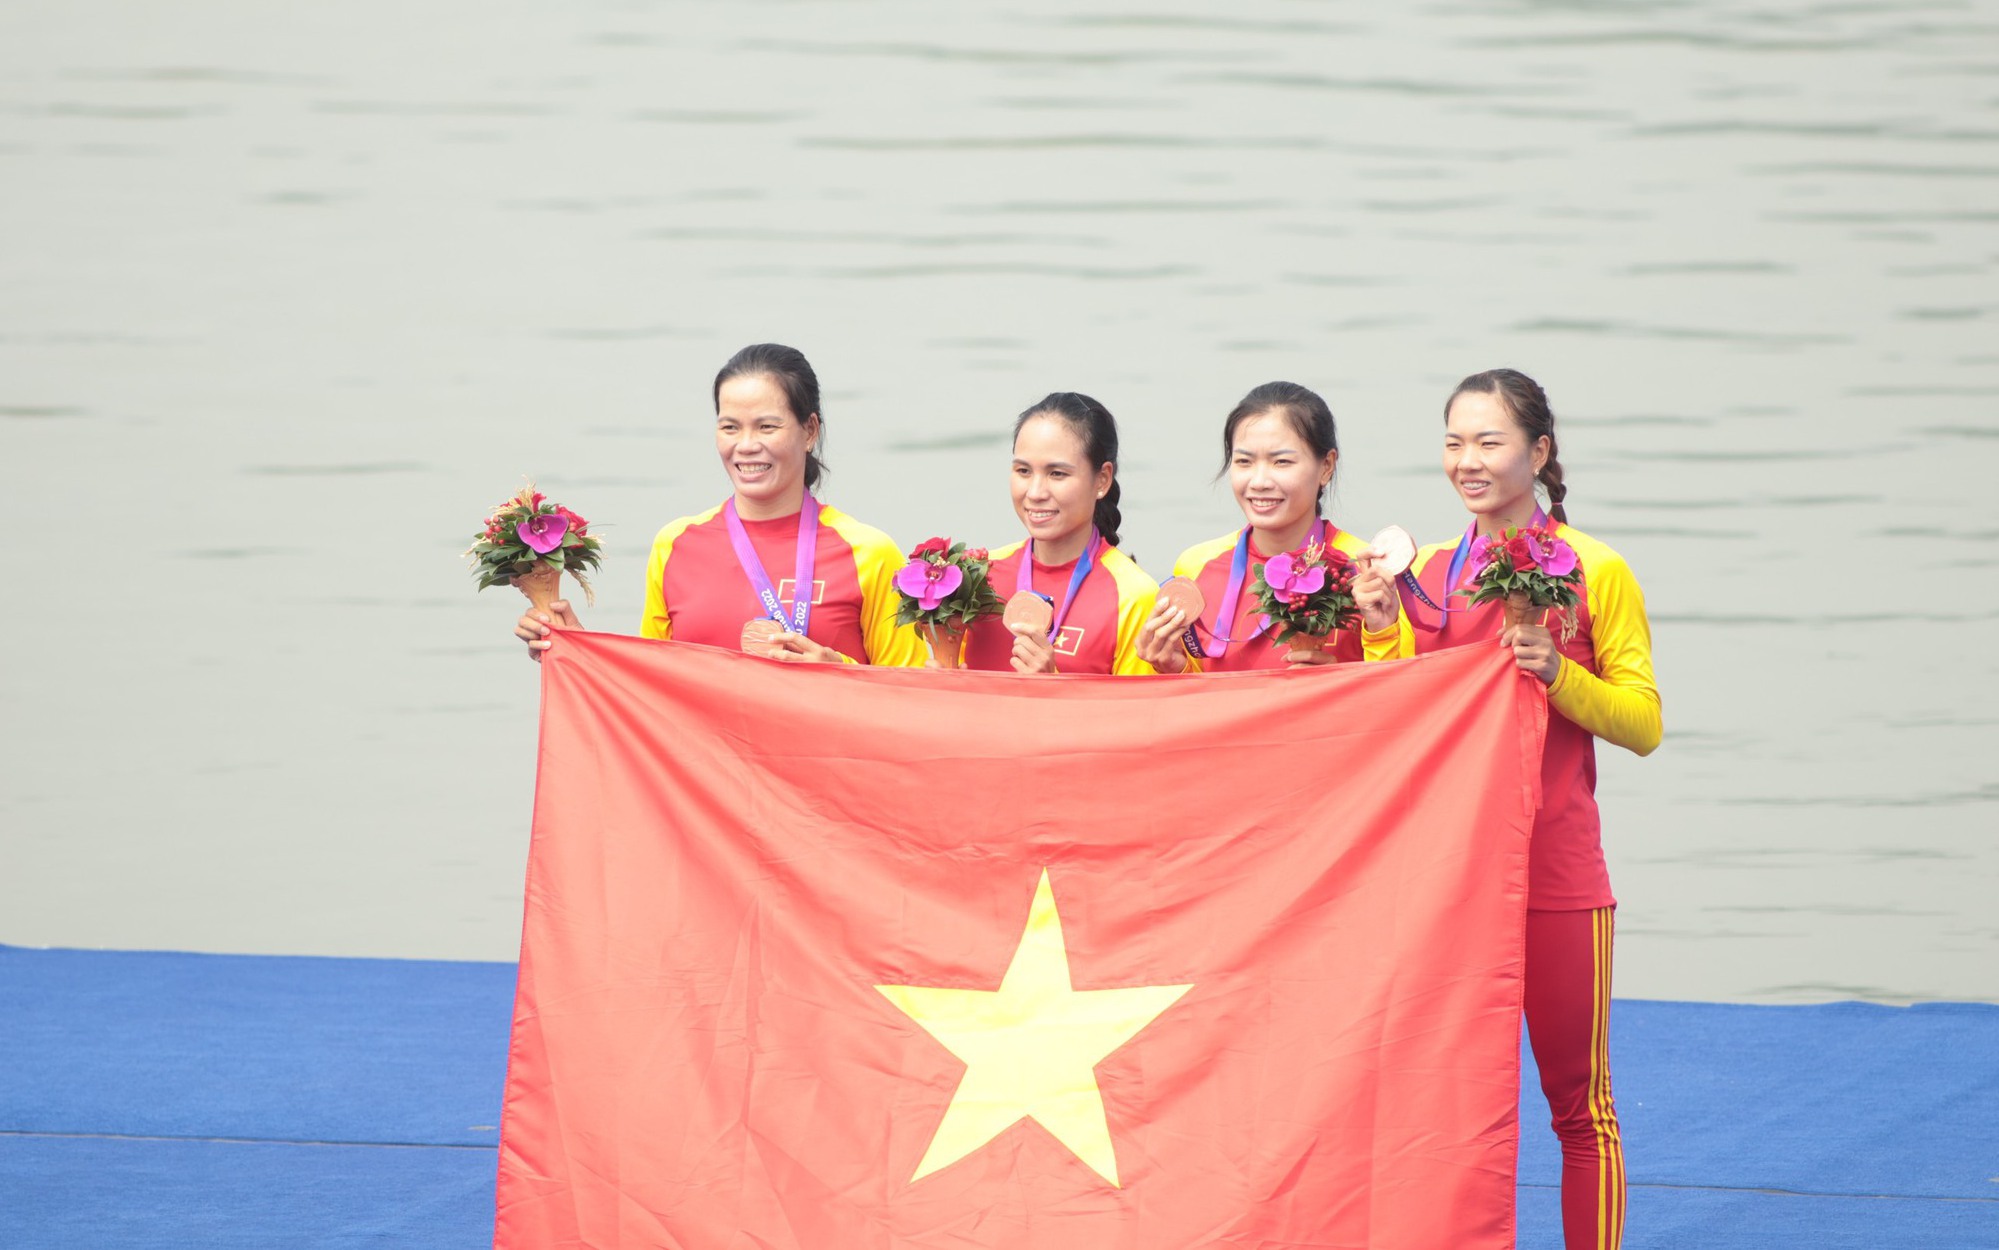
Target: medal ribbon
{"x": 753, "y": 568}
{"x": 1218, "y": 642}
{"x": 1451, "y": 575}
{"x": 1024, "y": 577}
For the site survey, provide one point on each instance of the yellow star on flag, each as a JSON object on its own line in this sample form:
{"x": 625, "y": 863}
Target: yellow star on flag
{"x": 1031, "y": 1047}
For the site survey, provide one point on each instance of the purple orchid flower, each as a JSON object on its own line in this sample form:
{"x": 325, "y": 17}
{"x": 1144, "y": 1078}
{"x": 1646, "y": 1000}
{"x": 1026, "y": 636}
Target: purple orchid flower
{"x": 1552, "y": 556}
{"x": 929, "y": 584}
{"x": 1282, "y": 574}
{"x": 543, "y": 533}
{"x": 1481, "y": 555}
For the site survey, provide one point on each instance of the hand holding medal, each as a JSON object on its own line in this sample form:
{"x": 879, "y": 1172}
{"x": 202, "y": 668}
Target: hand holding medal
{"x": 760, "y": 637}
{"x": 1386, "y": 558}
{"x": 1030, "y": 618}
{"x": 1168, "y": 639}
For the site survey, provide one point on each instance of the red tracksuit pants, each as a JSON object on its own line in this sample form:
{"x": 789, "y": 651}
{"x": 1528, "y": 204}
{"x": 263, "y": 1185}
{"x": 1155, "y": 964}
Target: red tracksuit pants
{"x": 1568, "y": 1025}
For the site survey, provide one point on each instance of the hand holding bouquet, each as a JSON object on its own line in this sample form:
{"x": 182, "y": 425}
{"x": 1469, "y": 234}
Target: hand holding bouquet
{"x": 945, "y": 587}
{"x": 1527, "y": 569}
{"x": 530, "y": 543}
{"x": 1307, "y": 595}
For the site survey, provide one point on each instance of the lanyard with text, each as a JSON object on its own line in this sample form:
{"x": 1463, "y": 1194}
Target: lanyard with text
{"x": 1024, "y": 580}
{"x": 753, "y": 568}
{"x": 1218, "y": 642}
{"x": 1451, "y": 575}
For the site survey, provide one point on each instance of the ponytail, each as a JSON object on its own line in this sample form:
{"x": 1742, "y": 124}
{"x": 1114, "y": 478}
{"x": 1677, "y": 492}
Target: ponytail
{"x": 1551, "y": 477}
{"x": 1095, "y": 426}
{"x": 1107, "y": 516}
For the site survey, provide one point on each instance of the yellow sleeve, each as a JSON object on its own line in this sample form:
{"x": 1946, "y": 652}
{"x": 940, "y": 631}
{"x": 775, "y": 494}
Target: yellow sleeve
{"x": 655, "y": 623}
{"x": 876, "y": 561}
{"x": 1394, "y": 643}
{"x": 1351, "y": 545}
{"x": 1196, "y": 557}
{"x": 1136, "y": 593}
{"x": 1620, "y": 702}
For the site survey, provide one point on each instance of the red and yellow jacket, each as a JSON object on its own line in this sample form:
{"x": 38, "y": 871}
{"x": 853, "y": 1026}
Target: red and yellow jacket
{"x": 1100, "y": 634}
{"x": 1604, "y": 690}
{"x": 697, "y": 592}
{"x": 1207, "y": 565}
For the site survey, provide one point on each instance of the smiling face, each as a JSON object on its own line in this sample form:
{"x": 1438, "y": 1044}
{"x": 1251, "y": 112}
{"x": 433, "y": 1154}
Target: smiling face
{"x": 1055, "y": 487}
{"x": 1491, "y": 462}
{"x": 763, "y": 445}
{"x": 1277, "y": 480}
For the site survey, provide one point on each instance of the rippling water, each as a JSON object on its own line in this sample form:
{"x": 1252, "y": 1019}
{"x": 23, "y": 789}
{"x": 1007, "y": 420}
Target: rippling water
{"x": 291, "y": 297}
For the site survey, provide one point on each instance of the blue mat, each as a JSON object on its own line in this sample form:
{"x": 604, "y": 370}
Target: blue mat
{"x": 254, "y": 1047}
{"x": 96, "y": 1193}
{"x": 154, "y": 1100}
{"x": 1845, "y": 1098}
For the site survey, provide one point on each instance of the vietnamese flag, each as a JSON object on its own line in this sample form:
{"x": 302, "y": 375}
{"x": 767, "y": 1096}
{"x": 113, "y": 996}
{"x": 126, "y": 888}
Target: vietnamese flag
{"x": 835, "y": 958}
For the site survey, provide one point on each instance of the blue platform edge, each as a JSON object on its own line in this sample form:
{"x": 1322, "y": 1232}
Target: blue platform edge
{"x": 170, "y": 1099}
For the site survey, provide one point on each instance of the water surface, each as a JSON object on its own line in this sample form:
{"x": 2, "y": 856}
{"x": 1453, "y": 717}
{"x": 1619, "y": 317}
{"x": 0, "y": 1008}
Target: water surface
{"x": 294, "y": 293}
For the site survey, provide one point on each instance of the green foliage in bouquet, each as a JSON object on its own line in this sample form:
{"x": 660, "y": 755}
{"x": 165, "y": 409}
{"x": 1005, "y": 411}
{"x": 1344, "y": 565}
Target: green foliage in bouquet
{"x": 527, "y": 533}
{"x": 1531, "y": 561}
{"x": 946, "y": 584}
{"x": 1307, "y": 593}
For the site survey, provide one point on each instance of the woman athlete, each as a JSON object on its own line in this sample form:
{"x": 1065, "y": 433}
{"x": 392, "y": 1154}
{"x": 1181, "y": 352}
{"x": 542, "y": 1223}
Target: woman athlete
{"x": 1499, "y": 442}
{"x": 1065, "y": 492}
{"x": 1280, "y": 449}
{"x": 771, "y": 551}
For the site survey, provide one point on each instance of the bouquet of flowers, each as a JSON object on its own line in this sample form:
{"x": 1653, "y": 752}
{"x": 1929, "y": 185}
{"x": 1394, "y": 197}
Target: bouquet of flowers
{"x": 1527, "y": 569}
{"x": 530, "y": 543}
{"x": 945, "y": 587}
{"x": 1307, "y": 594}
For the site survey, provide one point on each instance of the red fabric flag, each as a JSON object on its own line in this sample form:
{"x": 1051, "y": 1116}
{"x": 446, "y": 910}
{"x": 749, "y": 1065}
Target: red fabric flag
{"x": 832, "y": 958}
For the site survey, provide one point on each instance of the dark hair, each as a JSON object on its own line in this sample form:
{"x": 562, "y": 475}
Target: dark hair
{"x": 1094, "y": 424}
{"x": 1527, "y": 404}
{"x": 793, "y": 374}
{"x": 1310, "y": 419}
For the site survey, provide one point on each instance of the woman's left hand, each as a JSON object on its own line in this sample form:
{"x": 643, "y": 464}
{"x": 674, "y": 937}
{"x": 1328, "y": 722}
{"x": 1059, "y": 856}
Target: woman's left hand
{"x": 798, "y": 649}
{"x": 1031, "y": 652}
{"x": 1534, "y": 651}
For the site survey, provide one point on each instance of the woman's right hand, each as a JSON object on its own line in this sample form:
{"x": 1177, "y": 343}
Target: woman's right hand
{"x": 1031, "y": 652}
{"x": 1375, "y": 594}
{"x": 537, "y": 629}
{"x": 1159, "y": 640}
